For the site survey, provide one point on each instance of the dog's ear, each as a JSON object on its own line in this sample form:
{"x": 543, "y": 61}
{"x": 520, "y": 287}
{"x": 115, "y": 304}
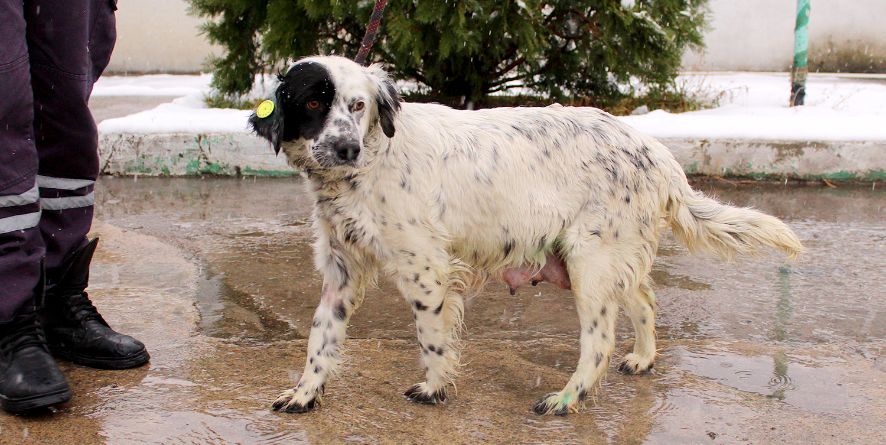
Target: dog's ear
{"x": 386, "y": 99}
{"x": 270, "y": 127}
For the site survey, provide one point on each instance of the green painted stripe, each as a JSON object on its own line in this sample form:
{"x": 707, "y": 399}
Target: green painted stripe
{"x": 800, "y": 59}
{"x": 877, "y": 175}
{"x": 247, "y": 171}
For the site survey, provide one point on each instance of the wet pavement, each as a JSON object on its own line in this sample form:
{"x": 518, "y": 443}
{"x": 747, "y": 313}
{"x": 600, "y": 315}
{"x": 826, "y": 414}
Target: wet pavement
{"x": 216, "y": 276}
{"x": 107, "y": 107}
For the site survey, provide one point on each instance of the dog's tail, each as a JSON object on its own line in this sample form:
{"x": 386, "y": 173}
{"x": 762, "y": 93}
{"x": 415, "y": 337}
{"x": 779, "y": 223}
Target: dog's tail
{"x": 703, "y": 224}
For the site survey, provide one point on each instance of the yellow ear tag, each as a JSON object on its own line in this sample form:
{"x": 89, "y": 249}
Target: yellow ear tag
{"x": 264, "y": 109}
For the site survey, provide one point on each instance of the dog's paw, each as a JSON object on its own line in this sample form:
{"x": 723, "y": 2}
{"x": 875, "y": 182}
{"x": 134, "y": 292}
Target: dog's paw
{"x": 421, "y": 393}
{"x": 635, "y": 364}
{"x": 292, "y": 401}
{"x": 556, "y": 403}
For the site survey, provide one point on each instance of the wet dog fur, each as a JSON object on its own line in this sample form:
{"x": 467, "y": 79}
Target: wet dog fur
{"x": 441, "y": 200}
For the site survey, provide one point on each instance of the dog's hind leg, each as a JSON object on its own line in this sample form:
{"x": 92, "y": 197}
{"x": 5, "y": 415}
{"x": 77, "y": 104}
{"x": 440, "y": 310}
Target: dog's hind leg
{"x": 344, "y": 281}
{"x": 595, "y": 283}
{"x": 424, "y": 280}
{"x": 640, "y": 307}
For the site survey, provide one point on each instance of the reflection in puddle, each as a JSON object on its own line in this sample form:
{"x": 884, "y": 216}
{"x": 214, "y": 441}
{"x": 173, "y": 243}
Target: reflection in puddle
{"x": 816, "y": 389}
{"x": 784, "y": 309}
{"x": 780, "y": 381}
{"x": 232, "y": 314}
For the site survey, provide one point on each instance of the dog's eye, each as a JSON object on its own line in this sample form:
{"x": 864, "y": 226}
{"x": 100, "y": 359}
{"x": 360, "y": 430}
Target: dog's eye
{"x": 313, "y": 105}
{"x": 359, "y": 105}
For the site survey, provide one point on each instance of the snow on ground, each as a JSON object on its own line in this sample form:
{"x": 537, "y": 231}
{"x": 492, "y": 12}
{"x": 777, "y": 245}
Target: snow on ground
{"x": 152, "y": 85}
{"x": 755, "y": 106}
{"x": 751, "y": 106}
{"x": 187, "y": 114}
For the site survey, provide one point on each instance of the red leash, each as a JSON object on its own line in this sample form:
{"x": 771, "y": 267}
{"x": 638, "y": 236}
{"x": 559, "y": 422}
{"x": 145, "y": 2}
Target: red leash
{"x": 371, "y": 31}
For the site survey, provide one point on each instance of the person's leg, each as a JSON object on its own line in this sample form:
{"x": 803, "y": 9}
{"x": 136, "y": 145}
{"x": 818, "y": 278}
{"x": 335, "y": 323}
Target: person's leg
{"x": 29, "y": 377}
{"x": 21, "y": 246}
{"x": 70, "y": 43}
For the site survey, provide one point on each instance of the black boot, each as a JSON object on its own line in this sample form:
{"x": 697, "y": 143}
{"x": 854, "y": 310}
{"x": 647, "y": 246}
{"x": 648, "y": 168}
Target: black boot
{"x": 29, "y": 377}
{"x": 74, "y": 329}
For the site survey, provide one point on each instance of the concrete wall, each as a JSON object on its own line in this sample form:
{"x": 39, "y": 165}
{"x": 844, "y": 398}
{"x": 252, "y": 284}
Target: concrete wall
{"x": 158, "y": 36}
{"x": 758, "y": 35}
{"x": 845, "y": 35}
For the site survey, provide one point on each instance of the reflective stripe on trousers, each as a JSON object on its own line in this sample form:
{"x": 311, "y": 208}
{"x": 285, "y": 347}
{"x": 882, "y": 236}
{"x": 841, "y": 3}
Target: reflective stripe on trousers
{"x": 23, "y": 221}
{"x": 30, "y": 220}
{"x": 66, "y": 202}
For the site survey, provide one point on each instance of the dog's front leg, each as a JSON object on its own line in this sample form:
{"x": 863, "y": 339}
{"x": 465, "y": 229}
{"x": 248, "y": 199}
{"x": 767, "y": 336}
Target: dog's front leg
{"x": 343, "y": 287}
{"x": 423, "y": 279}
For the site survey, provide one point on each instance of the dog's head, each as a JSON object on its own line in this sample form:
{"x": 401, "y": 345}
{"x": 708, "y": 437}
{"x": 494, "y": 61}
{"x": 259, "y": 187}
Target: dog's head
{"x": 325, "y": 107}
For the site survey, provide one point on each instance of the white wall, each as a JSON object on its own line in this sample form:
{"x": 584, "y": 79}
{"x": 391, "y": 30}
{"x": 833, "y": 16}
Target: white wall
{"x": 759, "y": 34}
{"x": 159, "y": 36}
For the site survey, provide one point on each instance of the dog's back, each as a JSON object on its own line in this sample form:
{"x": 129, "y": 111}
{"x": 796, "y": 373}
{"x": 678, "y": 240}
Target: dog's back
{"x": 519, "y": 177}
{"x": 535, "y": 169}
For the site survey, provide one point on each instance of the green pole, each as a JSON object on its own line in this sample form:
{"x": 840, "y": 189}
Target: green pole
{"x": 801, "y": 45}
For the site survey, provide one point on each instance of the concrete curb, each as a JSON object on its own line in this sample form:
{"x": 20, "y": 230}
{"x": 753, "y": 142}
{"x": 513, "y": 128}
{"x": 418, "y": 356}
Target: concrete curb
{"x": 772, "y": 159}
{"x": 179, "y": 154}
{"x": 242, "y": 154}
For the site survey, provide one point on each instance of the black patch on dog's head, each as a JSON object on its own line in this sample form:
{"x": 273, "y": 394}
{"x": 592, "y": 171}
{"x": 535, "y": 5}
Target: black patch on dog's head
{"x": 306, "y": 82}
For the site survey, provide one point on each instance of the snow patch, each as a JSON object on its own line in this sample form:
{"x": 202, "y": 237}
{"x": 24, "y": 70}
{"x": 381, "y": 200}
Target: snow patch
{"x": 183, "y": 115}
{"x": 755, "y": 106}
{"x": 752, "y": 106}
{"x": 152, "y": 85}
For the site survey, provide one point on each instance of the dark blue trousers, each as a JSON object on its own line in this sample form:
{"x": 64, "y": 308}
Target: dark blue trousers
{"x": 51, "y": 54}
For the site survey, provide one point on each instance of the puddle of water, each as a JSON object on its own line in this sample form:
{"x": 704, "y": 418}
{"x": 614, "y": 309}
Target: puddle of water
{"x": 834, "y": 293}
{"x": 779, "y": 377}
{"x": 254, "y": 233}
{"x": 221, "y": 426}
{"x": 236, "y": 315}
{"x": 213, "y": 376}
{"x": 701, "y": 416}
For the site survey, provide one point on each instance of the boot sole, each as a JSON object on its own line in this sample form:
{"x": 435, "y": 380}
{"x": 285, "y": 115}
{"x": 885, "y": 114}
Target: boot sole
{"x": 21, "y": 406}
{"x": 132, "y": 361}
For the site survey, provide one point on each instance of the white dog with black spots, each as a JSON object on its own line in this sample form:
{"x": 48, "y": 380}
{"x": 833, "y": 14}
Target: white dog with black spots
{"x": 442, "y": 200}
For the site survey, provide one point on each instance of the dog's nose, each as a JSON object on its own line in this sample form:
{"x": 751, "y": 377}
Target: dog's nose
{"x": 347, "y": 151}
